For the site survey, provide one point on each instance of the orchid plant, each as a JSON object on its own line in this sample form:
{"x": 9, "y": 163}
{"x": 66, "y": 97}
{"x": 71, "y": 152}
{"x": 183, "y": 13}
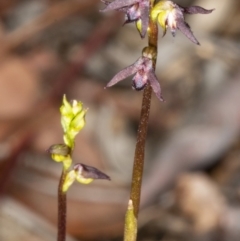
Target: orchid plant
{"x": 147, "y": 14}
{"x": 72, "y": 120}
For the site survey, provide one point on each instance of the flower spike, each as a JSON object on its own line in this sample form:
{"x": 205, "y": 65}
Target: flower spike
{"x": 72, "y": 120}
{"x": 170, "y": 15}
{"x": 135, "y": 11}
{"x": 143, "y": 72}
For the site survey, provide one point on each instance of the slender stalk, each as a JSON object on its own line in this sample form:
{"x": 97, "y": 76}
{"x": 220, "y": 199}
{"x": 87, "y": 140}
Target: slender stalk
{"x": 62, "y": 208}
{"x": 142, "y": 130}
{"x": 140, "y": 150}
{"x": 131, "y": 217}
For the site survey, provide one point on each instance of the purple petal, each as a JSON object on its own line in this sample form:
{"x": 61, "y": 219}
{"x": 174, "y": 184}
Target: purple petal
{"x": 185, "y": 29}
{"x": 118, "y": 4}
{"x": 144, "y": 19}
{"x": 123, "y": 74}
{"x": 139, "y": 80}
{"x": 155, "y": 85}
{"x": 124, "y": 9}
{"x": 90, "y": 172}
{"x": 196, "y": 9}
{"x": 132, "y": 13}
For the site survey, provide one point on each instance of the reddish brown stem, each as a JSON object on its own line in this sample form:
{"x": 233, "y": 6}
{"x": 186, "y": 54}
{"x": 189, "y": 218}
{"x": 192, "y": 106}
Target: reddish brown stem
{"x": 62, "y": 209}
{"x": 140, "y": 150}
{"x": 142, "y": 129}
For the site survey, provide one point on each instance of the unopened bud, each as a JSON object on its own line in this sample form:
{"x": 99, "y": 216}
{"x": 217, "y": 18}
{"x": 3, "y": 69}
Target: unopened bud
{"x": 61, "y": 153}
{"x": 59, "y": 149}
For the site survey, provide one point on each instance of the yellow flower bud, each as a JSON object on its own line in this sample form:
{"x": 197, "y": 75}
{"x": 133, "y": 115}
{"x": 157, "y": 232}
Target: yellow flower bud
{"x": 66, "y": 108}
{"x": 77, "y": 107}
{"x": 59, "y": 152}
{"x": 72, "y": 120}
{"x": 59, "y": 149}
{"x": 78, "y": 122}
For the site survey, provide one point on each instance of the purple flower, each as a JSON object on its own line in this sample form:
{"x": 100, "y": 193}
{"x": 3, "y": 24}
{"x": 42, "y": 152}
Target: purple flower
{"x": 170, "y": 15}
{"x": 143, "y": 72}
{"x": 135, "y": 11}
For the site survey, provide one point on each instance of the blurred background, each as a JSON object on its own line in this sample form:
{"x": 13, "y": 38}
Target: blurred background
{"x": 191, "y": 185}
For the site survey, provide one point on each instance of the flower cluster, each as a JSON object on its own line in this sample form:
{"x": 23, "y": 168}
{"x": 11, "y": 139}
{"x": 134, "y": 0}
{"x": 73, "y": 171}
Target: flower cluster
{"x": 73, "y": 120}
{"x": 170, "y": 15}
{"x": 143, "y": 71}
{"x": 167, "y": 13}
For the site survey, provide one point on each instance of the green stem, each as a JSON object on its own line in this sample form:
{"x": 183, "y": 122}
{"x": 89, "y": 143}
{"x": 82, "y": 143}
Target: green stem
{"x": 62, "y": 208}
{"x": 131, "y": 226}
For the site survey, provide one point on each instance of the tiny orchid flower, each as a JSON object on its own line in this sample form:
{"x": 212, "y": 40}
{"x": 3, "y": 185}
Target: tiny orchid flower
{"x": 170, "y": 15}
{"x": 83, "y": 171}
{"x": 143, "y": 72}
{"x": 135, "y": 11}
{"x": 83, "y": 174}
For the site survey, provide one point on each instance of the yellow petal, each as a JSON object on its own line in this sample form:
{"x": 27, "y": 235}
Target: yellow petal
{"x": 66, "y": 107}
{"x": 83, "y": 180}
{"x": 162, "y": 18}
{"x": 78, "y": 122}
{"x": 139, "y": 25}
{"x": 58, "y": 158}
{"x": 70, "y": 178}
{"x": 77, "y": 107}
{"x": 163, "y": 8}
